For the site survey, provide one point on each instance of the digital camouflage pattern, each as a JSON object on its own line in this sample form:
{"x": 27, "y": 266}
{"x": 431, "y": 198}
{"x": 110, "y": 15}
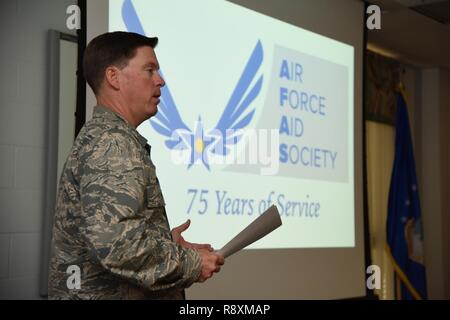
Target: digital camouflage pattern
{"x": 110, "y": 220}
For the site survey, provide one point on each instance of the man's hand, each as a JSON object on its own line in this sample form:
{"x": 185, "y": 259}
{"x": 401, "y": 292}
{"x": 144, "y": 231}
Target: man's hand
{"x": 178, "y": 238}
{"x": 211, "y": 263}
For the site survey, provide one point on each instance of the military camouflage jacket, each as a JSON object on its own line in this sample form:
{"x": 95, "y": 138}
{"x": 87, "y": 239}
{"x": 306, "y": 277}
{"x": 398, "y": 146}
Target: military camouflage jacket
{"x": 110, "y": 221}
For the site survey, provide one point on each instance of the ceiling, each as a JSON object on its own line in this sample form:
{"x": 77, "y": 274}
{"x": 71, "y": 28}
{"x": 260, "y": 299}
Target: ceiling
{"x": 438, "y": 10}
{"x": 414, "y": 31}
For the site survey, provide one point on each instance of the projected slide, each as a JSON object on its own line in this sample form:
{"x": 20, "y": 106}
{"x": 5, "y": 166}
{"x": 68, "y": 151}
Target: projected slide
{"x": 255, "y": 112}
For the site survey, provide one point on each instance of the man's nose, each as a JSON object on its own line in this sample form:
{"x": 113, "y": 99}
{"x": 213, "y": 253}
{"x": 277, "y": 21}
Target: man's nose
{"x": 160, "y": 81}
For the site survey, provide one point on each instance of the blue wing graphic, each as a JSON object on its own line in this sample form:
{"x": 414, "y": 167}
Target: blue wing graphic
{"x": 130, "y": 18}
{"x": 235, "y": 116}
{"x": 167, "y": 121}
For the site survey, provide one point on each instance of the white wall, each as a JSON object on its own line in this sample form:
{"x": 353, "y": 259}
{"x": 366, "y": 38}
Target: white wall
{"x": 444, "y": 121}
{"x": 430, "y": 180}
{"x": 445, "y": 170}
{"x": 23, "y": 121}
{"x": 419, "y": 44}
{"x": 434, "y": 176}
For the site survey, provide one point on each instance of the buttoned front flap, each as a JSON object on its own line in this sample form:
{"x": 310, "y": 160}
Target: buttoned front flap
{"x": 154, "y": 195}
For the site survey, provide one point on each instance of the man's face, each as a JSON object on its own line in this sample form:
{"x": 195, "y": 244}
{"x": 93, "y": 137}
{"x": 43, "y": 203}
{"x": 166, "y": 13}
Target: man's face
{"x": 141, "y": 84}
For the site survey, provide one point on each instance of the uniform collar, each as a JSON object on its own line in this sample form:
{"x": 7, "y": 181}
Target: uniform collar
{"x": 104, "y": 113}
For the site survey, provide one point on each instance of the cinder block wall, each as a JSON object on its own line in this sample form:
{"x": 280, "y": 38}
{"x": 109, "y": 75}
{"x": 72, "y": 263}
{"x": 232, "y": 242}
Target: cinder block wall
{"x": 24, "y": 25}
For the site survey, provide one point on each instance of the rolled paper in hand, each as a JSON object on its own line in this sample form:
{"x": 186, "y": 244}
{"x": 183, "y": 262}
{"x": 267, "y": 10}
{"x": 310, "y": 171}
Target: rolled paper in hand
{"x": 260, "y": 227}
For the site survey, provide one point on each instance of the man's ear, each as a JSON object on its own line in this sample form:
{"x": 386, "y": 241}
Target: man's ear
{"x": 112, "y": 75}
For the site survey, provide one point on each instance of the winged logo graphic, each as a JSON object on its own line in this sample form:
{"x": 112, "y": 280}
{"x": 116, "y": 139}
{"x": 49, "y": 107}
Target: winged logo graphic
{"x": 236, "y": 116}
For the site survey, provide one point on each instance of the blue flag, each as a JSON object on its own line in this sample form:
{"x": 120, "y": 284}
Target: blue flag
{"x": 404, "y": 223}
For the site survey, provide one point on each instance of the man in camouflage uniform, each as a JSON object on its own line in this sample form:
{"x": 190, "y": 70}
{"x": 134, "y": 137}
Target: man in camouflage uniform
{"x": 110, "y": 219}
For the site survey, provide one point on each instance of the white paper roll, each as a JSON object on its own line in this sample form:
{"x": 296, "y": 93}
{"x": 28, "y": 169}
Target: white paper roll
{"x": 260, "y": 227}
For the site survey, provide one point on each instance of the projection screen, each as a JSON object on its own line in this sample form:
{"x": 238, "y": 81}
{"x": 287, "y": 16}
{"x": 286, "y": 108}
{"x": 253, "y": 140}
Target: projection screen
{"x": 262, "y": 105}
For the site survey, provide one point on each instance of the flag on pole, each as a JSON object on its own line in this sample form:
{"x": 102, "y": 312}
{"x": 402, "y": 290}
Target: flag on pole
{"x": 404, "y": 223}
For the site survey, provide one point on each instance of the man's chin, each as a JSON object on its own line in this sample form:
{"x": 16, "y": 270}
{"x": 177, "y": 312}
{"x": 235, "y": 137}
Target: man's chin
{"x": 152, "y": 111}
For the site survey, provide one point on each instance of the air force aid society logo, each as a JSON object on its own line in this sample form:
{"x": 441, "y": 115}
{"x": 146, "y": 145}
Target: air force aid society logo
{"x": 236, "y": 116}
